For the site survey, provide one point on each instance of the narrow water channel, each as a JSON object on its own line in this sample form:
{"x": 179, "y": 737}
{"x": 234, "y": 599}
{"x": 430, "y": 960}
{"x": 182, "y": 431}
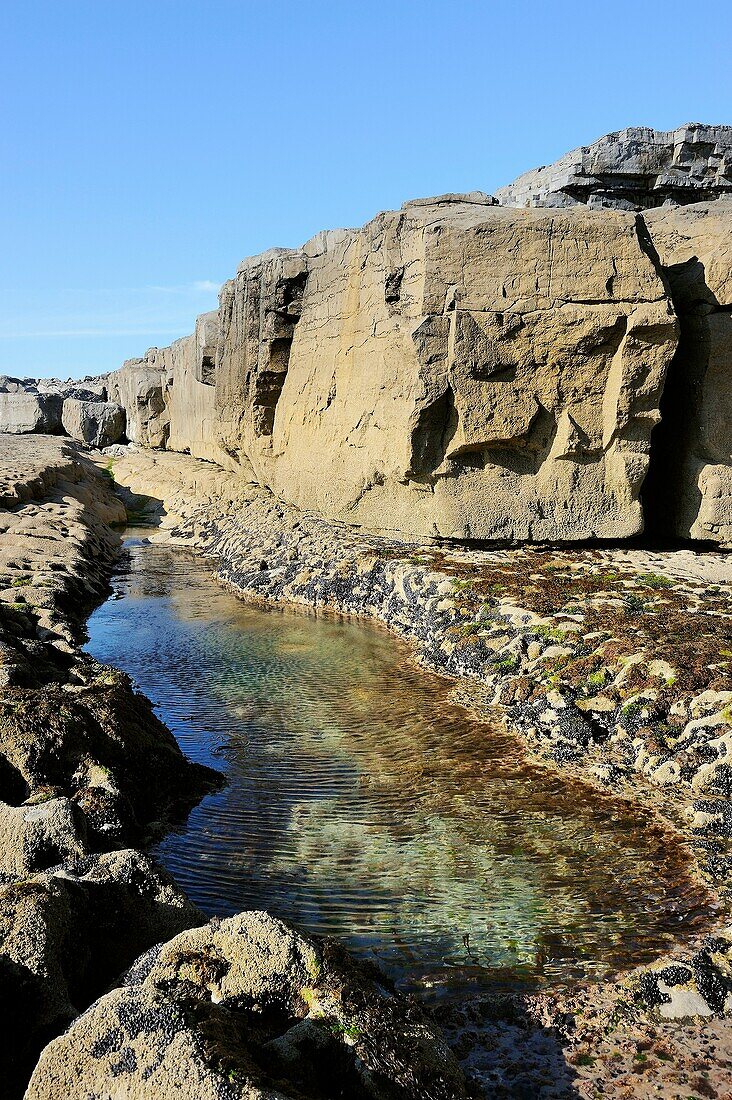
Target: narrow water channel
{"x": 362, "y": 803}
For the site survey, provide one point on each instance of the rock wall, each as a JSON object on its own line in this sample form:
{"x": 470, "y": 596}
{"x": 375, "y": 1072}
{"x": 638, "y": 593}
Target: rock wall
{"x": 457, "y": 368}
{"x": 468, "y": 368}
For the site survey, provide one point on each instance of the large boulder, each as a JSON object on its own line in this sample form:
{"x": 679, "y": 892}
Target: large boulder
{"x": 98, "y": 423}
{"x": 66, "y": 934}
{"x": 689, "y": 492}
{"x": 633, "y": 169}
{"x": 169, "y": 397}
{"x": 247, "y": 1007}
{"x": 22, "y": 412}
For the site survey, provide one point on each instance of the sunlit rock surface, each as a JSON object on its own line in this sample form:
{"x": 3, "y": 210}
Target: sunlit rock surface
{"x": 459, "y": 369}
{"x": 633, "y": 169}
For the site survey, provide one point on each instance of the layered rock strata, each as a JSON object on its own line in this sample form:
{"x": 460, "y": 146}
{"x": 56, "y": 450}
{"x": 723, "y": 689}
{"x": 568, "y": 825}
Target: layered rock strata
{"x": 479, "y": 367}
{"x": 460, "y": 369}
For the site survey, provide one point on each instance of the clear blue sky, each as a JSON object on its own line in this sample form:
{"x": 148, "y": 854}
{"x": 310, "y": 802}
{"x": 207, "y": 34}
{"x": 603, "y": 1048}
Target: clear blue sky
{"x": 147, "y": 147}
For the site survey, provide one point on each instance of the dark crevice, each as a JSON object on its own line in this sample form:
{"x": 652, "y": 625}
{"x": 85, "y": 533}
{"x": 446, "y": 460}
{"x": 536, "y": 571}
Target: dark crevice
{"x": 670, "y": 495}
{"x": 270, "y": 380}
{"x": 434, "y": 427}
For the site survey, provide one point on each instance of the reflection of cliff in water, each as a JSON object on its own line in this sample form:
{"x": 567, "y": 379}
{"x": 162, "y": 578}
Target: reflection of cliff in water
{"x": 363, "y": 803}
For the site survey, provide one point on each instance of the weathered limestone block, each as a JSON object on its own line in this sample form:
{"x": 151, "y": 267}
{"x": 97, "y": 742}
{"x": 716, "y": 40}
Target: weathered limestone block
{"x": 22, "y": 412}
{"x": 453, "y": 368}
{"x": 247, "y": 1007}
{"x": 87, "y": 389}
{"x": 632, "y": 170}
{"x": 139, "y": 387}
{"x": 689, "y": 492}
{"x": 98, "y": 423}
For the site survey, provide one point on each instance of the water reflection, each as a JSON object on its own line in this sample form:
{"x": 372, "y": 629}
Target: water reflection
{"x": 363, "y": 803}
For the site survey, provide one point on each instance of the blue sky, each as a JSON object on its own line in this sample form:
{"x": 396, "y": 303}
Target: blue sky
{"x": 148, "y": 147}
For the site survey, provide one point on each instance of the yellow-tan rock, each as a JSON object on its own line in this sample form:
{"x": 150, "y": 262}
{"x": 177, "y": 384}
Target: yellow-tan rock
{"x": 453, "y": 368}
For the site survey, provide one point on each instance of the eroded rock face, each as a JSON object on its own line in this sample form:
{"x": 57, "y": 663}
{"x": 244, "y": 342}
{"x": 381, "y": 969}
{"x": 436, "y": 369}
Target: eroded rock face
{"x": 457, "y": 368}
{"x": 138, "y": 387}
{"x": 633, "y": 169}
{"x": 248, "y": 1007}
{"x": 465, "y": 369}
{"x": 689, "y": 492}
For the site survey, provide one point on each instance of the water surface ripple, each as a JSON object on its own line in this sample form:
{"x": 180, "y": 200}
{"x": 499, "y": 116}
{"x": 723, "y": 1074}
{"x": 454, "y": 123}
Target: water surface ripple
{"x": 362, "y": 803}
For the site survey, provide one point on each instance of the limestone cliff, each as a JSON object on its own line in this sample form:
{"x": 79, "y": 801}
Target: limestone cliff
{"x": 464, "y": 368}
{"x": 690, "y": 488}
{"x": 457, "y": 368}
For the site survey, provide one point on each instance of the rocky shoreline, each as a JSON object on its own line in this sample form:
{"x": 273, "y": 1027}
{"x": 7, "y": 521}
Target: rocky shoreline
{"x": 431, "y": 422}
{"x": 89, "y": 779}
{"x": 490, "y": 619}
{"x": 88, "y": 775}
{"x": 582, "y": 678}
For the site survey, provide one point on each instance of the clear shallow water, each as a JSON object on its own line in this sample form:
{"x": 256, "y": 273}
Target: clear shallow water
{"x": 362, "y": 803}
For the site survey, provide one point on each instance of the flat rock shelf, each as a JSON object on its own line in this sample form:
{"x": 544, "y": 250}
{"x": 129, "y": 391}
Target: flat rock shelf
{"x": 363, "y": 803}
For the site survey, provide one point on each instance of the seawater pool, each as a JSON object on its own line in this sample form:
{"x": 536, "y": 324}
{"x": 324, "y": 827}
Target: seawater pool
{"x": 361, "y": 802}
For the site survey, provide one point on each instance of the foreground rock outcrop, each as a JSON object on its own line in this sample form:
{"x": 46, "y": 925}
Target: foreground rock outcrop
{"x": 247, "y": 1007}
{"x": 87, "y": 772}
{"x": 633, "y": 169}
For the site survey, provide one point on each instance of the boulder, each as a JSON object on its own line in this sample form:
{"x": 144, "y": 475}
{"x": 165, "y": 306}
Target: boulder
{"x": 98, "y": 423}
{"x": 22, "y": 412}
{"x": 139, "y": 387}
{"x": 633, "y": 169}
{"x": 65, "y": 935}
{"x": 87, "y": 389}
{"x": 247, "y": 1007}
{"x": 8, "y": 384}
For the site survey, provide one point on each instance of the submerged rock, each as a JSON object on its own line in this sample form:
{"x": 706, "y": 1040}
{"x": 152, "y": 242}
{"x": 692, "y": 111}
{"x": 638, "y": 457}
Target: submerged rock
{"x": 248, "y": 1007}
